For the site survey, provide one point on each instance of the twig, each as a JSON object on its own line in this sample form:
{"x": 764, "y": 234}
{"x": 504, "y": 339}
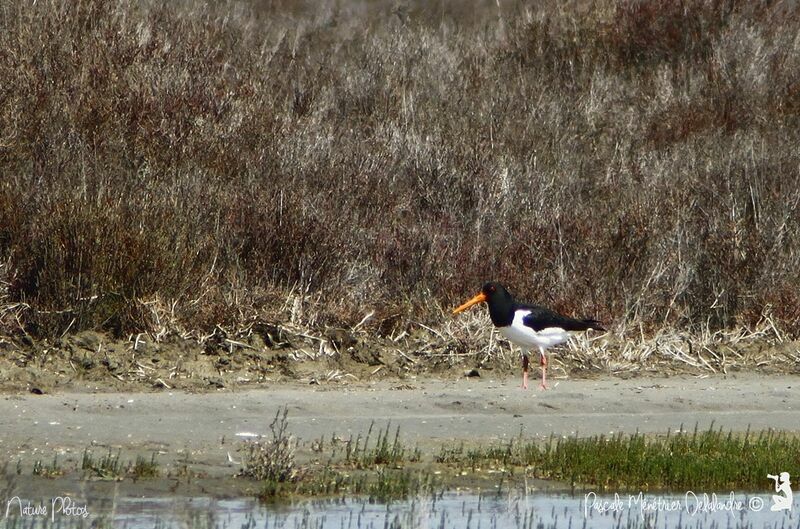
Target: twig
{"x": 364, "y": 320}
{"x": 71, "y": 323}
{"x": 239, "y": 344}
{"x": 406, "y": 357}
{"x": 434, "y": 331}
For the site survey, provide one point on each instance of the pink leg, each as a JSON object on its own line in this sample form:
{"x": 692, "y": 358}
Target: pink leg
{"x": 524, "y": 371}
{"x": 543, "y": 363}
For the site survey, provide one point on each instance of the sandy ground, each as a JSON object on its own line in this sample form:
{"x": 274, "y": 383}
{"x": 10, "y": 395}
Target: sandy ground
{"x": 203, "y": 428}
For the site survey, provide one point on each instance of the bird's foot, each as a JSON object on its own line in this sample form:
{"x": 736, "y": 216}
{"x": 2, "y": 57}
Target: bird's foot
{"x": 543, "y": 386}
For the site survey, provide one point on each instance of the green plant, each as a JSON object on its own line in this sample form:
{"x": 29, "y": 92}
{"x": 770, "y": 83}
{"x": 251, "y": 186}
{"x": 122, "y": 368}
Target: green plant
{"x": 143, "y": 467}
{"x": 384, "y": 452}
{"x": 710, "y": 459}
{"x": 51, "y": 471}
{"x": 108, "y": 467}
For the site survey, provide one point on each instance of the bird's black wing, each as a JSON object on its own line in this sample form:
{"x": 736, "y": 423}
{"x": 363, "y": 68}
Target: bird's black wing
{"x": 543, "y": 318}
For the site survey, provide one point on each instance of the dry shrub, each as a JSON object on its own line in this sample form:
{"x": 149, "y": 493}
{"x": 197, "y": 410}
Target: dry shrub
{"x": 273, "y": 460}
{"x": 634, "y": 161}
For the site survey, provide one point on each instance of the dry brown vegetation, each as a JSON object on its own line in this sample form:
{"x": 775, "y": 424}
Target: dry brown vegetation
{"x": 185, "y": 166}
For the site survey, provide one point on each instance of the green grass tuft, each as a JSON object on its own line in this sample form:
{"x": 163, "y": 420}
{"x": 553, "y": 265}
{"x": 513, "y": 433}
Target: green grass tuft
{"x": 49, "y": 471}
{"x": 358, "y": 452}
{"x": 108, "y": 467}
{"x": 144, "y": 468}
{"x": 711, "y": 460}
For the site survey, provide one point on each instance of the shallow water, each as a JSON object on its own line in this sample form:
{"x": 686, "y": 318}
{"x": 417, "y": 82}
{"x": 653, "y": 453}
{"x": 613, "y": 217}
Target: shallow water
{"x": 451, "y": 510}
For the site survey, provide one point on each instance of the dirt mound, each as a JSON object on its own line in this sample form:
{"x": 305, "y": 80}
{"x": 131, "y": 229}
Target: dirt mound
{"x": 268, "y": 352}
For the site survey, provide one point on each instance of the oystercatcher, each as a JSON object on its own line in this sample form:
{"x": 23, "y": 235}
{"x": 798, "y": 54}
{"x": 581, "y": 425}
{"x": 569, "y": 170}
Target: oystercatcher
{"x": 527, "y": 326}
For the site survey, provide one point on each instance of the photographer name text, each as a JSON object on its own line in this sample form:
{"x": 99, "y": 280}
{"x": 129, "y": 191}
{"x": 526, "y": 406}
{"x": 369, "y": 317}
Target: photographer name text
{"x": 692, "y": 503}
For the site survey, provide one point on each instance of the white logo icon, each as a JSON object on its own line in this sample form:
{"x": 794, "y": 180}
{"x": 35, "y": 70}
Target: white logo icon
{"x": 782, "y": 484}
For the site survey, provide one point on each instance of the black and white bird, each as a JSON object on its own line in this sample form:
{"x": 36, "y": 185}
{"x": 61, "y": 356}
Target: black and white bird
{"x": 527, "y": 326}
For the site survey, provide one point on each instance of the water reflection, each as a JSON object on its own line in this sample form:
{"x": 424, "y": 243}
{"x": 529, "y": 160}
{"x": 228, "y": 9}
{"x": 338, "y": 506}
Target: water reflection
{"x": 508, "y": 511}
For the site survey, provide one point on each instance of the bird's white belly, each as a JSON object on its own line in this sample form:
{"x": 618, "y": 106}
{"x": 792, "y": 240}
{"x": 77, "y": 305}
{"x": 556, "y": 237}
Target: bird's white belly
{"x": 525, "y": 337}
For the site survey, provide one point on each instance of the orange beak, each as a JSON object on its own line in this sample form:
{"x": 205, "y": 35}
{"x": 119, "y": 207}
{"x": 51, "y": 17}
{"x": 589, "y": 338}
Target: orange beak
{"x": 477, "y": 299}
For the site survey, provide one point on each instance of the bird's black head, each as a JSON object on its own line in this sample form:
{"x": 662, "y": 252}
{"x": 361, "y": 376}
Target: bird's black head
{"x": 500, "y": 301}
{"x": 494, "y": 290}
